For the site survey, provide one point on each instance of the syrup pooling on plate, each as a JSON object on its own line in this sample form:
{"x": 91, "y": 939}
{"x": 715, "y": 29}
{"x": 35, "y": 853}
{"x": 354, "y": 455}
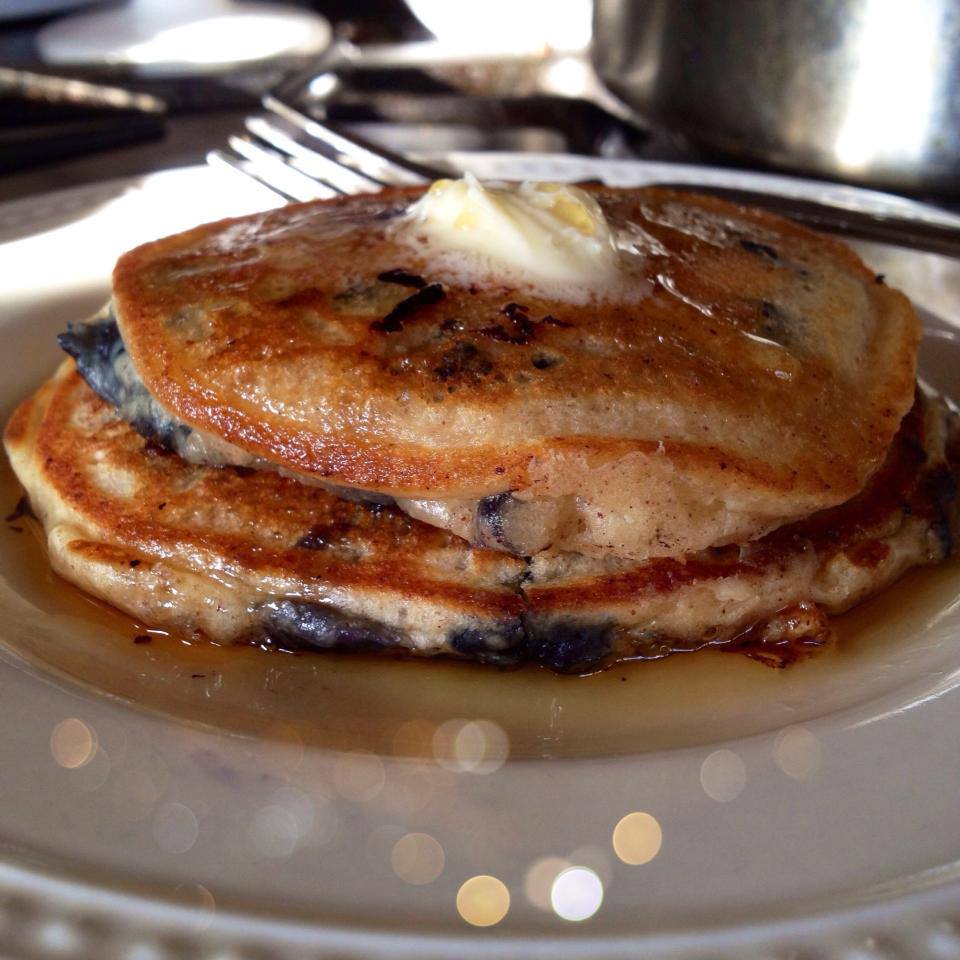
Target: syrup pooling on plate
{"x": 394, "y": 707}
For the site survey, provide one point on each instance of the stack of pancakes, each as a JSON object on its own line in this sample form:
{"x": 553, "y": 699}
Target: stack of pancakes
{"x": 289, "y": 430}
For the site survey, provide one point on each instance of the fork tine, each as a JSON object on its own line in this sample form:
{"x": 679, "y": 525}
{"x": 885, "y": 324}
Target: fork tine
{"x": 381, "y": 165}
{"x": 228, "y": 161}
{"x": 310, "y": 162}
{"x": 274, "y": 169}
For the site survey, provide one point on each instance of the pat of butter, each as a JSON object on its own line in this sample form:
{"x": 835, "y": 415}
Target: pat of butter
{"x": 538, "y": 234}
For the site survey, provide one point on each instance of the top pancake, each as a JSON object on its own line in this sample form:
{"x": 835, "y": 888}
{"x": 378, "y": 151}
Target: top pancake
{"x": 758, "y": 365}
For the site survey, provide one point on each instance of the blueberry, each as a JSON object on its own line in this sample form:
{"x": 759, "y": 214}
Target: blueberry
{"x": 491, "y": 520}
{"x": 102, "y": 361}
{"x": 305, "y": 625}
{"x": 568, "y": 645}
{"x": 498, "y": 642}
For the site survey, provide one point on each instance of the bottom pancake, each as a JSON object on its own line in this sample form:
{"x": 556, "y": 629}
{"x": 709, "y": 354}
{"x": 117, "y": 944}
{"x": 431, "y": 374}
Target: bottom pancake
{"x": 772, "y": 597}
{"x": 236, "y": 555}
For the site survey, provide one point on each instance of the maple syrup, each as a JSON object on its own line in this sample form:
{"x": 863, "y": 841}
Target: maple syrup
{"x": 346, "y": 701}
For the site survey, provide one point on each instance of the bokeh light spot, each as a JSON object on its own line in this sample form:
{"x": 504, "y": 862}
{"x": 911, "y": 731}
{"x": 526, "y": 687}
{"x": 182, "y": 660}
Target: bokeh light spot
{"x": 73, "y": 743}
{"x": 300, "y": 806}
{"x": 175, "y": 828}
{"x": 483, "y": 901}
{"x": 143, "y": 951}
{"x": 275, "y": 831}
{"x": 723, "y": 775}
{"x": 471, "y": 746}
{"x": 417, "y": 858}
{"x": 576, "y": 894}
{"x": 538, "y": 880}
{"x": 637, "y": 838}
{"x": 796, "y": 752}
{"x": 202, "y": 902}
{"x": 359, "y": 776}
{"x": 56, "y": 937}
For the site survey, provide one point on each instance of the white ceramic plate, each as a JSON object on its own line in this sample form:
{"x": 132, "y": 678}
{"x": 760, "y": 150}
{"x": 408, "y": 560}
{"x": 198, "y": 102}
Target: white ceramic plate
{"x": 159, "y": 800}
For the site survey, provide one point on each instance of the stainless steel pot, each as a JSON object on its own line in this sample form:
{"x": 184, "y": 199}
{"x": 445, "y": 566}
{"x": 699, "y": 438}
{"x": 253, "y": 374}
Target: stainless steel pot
{"x": 863, "y": 90}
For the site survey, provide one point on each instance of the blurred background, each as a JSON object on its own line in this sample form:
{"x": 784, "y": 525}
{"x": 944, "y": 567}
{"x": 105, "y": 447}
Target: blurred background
{"x": 861, "y": 91}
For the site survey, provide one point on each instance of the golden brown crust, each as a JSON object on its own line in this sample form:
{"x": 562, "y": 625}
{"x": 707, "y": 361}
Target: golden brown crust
{"x": 220, "y": 551}
{"x": 18, "y": 424}
{"x": 760, "y": 594}
{"x": 93, "y": 471}
{"x": 914, "y": 481}
{"x": 763, "y": 357}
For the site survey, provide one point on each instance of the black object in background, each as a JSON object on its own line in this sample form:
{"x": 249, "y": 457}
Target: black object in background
{"x": 44, "y": 118}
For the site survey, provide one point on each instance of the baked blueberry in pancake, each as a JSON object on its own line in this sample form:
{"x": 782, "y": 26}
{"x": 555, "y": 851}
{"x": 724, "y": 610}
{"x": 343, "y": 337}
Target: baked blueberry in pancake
{"x": 665, "y": 374}
{"x": 238, "y": 555}
{"x": 772, "y": 597}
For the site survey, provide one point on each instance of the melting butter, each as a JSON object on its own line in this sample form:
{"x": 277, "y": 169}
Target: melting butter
{"x": 537, "y": 234}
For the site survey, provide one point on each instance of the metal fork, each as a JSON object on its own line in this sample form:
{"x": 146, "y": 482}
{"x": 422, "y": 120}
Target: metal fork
{"x": 913, "y": 234}
{"x": 301, "y": 158}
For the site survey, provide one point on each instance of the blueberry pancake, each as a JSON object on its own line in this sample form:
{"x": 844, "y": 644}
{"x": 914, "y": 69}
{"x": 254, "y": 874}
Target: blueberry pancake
{"x": 702, "y": 375}
{"x": 239, "y": 555}
{"x": 771, "y": 597}
{"x": 235, "y": 554}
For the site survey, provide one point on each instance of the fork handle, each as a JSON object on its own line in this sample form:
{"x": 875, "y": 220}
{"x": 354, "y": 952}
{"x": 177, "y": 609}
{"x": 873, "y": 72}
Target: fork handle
{"x": 880, "y": 228}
